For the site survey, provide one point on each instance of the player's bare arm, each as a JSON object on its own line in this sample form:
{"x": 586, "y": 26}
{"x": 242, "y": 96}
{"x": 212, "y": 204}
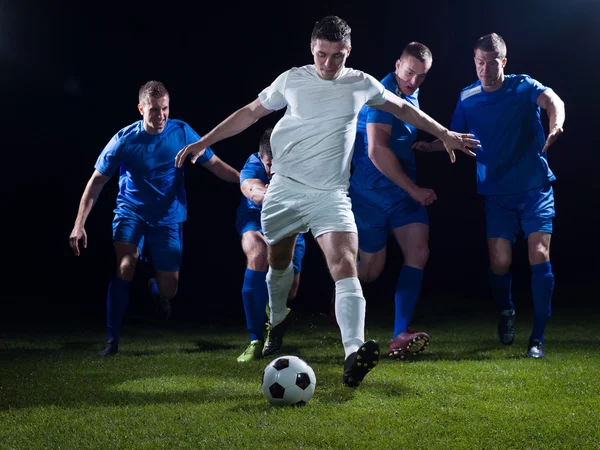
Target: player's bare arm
{"x": 222, "y": 170}
{"x": 417, "y": 118}
{"x": 254, "y": 190}
{"x": 555, "y": 108}
{"x": 383, "y": 158}
{"x": 88, "y": 199}
{"x": 234, "y": 124}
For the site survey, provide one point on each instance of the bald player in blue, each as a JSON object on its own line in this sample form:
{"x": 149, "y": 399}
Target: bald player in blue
{"x": 151, "y": 203}
{"x": 254, "y": 181}
{"x": 513, "y": 175}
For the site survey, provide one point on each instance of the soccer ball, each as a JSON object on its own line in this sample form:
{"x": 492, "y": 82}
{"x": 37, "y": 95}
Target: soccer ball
{"x": 288, "y": 380}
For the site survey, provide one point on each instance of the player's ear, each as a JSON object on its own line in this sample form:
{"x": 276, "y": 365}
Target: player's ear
{"x": 504, "y": 62}
{"x": 349, "y": 49}
{"x": 141, "y": 109}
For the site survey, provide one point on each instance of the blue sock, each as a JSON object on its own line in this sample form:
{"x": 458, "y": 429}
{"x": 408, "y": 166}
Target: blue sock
{"x": 116, "y": 302}
{"x": 501, "y": 285}
{"x": 542, "y": 286}
{"x": 255, "y": 296}
{"x": 408, "y": 290}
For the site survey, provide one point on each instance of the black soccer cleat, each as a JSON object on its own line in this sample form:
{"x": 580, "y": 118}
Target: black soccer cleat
{"x": 110, "y": 348}
{"x": 360, "y": 363}
{"x": 274, "y": 339}
{"x": 506, "y": 327}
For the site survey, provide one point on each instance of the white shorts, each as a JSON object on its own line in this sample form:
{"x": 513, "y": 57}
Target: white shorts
{"x": 290, "y": 207}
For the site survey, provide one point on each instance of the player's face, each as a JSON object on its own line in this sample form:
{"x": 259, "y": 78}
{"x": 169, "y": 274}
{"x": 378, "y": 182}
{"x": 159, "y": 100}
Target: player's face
{"x": 490, "y": 68}
{"x": 411, "y": 73}
{"x": 330, "y": 57}
{"x": 267, "y": 162}
{"x": 155, "y": 112}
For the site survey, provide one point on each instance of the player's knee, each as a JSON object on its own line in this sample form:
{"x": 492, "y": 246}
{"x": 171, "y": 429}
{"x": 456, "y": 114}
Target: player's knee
{"x": 539, "y": 254}
{"x": 500, "y": 264}
{"x": 369, "y": 273}
{"x": 418, "y": 257}
{"x": 257, "y": 260}
{"x": 126, "y": 268}
{"x": 343, "y": 267}
{"x": 167, "y": 290}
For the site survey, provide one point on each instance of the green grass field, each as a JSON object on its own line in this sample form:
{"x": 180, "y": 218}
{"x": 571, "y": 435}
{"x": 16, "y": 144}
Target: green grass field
{"x": 179, "y": 386}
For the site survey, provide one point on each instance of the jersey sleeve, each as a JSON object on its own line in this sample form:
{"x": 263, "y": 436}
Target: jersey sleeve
{"x": 190, "y": 137}
{"x": 459, "y": 120}
{"x": 252, "y": 169}
{"x": 111, "y": 157}
{"x": 273, "y": 97}
{"x": 535, "y": 88}
{"x": 375, "y": 91}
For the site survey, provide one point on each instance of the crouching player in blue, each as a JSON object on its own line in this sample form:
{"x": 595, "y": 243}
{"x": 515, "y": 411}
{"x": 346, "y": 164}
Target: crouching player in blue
{"x": 254, "y": 181}
{"x": 151, "y": 203}
{"x": 503, "y": 112}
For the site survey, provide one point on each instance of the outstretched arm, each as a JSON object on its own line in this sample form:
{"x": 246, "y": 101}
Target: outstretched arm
{"x": 88, "y": 199}
{"x": 234, "y": 124}
{"x": 555, "y": 108}
{"x": 254, "y": 190}
{"x": 386, "y": 162}
{"x": 222, "y": 170}
{"x": 417, "y": 118}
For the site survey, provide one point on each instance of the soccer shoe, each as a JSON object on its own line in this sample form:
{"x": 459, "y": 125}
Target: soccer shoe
{"x": 163, "y": 305}
{"x": 360, "y": 363}
{"x": 536, "y": 350}
{"x": 506, "y": 327}
{"x": 408, "y": 343}
{"x": 110, "y": 348}
{"x": 254, "y": 351}
{"x": 275, "y": 332}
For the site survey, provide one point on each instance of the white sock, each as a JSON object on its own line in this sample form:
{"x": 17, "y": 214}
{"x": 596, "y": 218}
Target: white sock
{"x": 279, "y": 283}
{"x": 350, "y": 306}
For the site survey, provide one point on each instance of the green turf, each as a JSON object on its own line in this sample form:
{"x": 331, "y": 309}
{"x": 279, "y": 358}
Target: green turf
{"x": 181, "y": 387}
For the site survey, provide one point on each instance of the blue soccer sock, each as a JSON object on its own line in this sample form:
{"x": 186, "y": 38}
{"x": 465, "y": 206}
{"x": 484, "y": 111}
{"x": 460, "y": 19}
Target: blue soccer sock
{"x": 116, "y": 302}
{"x": 408, "y": 290}
{"x": 255, "y": 296}
{"x": 542, "y": 287}
{"x": 501, "y": 285}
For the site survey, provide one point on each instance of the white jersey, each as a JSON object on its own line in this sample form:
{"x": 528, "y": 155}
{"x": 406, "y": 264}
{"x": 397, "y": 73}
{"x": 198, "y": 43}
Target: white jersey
{"x": 313, "y": 142}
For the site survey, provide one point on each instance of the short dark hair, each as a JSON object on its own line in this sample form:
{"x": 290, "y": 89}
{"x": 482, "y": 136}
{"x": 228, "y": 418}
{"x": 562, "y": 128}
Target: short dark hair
{"x": 332, "y": 29}
{"x": 264, "y": 148}
{"x": 152, "y": 89}
{"x": 491, "y": 43}
{"x": 417, "y": 50}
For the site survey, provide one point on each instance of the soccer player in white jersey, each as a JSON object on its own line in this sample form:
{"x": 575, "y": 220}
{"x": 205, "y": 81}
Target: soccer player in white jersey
{"x": 312, "y": 148}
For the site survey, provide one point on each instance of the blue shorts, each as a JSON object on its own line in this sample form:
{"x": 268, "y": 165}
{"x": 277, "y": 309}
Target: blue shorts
{"x": 160, "y": 245}
{"x": 508, "y": 216}
{"x": 251, "y": 222}
{"x": 378, "y": 211}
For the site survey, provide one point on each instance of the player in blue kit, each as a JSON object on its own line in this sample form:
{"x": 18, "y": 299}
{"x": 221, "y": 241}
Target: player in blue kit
{"x": 151, "y": 203}
{"x": 386, "y": 198}
{"x": 254, "y": 180}
{"x": 503, "y": 112}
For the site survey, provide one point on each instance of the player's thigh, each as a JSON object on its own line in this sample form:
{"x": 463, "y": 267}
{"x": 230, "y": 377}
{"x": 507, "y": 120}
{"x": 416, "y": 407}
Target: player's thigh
{"x": 370, "y": 265}
{"x": 280, "y": 216}
{"x": 502, "y": 217}
{"x": 166, "y": 247}
{"x": 538, "y": 211}
{"x": 413, "y": 240}
{"x": 281, "y": 253}
{"x": 254, "y": 246}
{"x": 127, "y": 239}
{"x": 340, "y": 249}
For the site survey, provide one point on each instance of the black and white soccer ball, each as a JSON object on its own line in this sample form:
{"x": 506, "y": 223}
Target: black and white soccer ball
{"x": 288, "y": 380}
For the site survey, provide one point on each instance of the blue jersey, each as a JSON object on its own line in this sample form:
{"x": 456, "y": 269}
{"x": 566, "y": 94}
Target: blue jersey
{"x": 508, "y": 124}
{"x": 151, "y": 188}
{"x": 365, "y": 174}
{"x": 253, "y": 168}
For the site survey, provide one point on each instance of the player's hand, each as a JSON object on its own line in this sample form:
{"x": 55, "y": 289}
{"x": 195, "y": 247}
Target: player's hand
{"x": 195, "y": 150}
{"x": 552, "y": 137}
{"x": 421, "y": 146}
{"x": 78, "y": 234}
{"x": 459, "y": 141}
{"x": 423, "y": 195}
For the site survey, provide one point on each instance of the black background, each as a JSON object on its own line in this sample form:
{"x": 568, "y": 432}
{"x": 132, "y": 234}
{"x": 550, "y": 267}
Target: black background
{"x": 71, "y": 72}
